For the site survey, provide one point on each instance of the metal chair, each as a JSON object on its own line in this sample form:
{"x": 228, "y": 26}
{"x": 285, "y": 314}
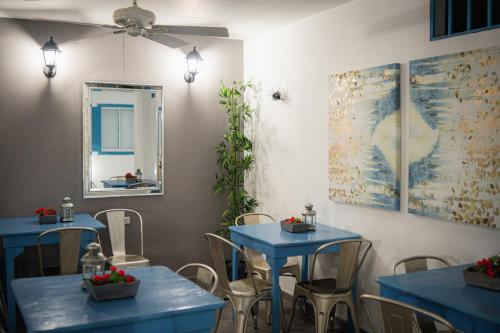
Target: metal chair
{"x": 419, "y": 263}
{"x": 399, "y": 317}
{"x": 260, "y": 263}
{"x": 202, "y": 275}
{"x": 116, "y": 227}
{"x": 205, "y": 277}
{"x": 243, "y": 293}
{"x": 69, "y": 247}
{"x": 324, "y": 294}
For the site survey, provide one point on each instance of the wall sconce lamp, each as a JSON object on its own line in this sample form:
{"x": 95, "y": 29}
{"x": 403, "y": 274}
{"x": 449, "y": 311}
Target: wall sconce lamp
{"x": 50, "y": 54}
{"x": 194, "y": 60}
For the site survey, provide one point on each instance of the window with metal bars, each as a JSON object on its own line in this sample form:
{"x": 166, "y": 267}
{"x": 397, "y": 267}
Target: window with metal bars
{"x": 457, "y": 17}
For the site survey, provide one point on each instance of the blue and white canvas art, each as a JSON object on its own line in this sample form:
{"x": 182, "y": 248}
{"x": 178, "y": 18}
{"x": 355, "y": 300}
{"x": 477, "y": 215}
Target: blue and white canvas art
{"x": 455, "y": 137}
{"x": 364, "y": 137}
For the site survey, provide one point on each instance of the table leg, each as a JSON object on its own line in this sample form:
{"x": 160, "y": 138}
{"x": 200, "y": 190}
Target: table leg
{"x": 234, "y": 266}
{"x": 276, "y": 265}
{"x": 10, "y": 255}
{"x": 305, "y": 268}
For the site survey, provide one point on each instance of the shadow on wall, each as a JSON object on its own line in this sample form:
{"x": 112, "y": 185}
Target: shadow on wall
{"x": 260, "y": 134}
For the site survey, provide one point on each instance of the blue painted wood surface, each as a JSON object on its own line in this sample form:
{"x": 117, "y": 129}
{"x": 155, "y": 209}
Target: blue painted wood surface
{"x": 443, "y": 291}
{"x": 18, "y": 232}
{"x": 121, "y": 183}
{"x": 165, "y": 302}
{"x": 278, "y": 245}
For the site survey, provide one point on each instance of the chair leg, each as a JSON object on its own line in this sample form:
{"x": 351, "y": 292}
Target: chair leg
{"x": 350, "y": 304}
{"x": 294, "y": 303}
{"x": 219, "y": 315}
{"x": 255, "y": 315}
{"x": 322, "y": 309}
{"x": 268, "y": 311}
{"x": 241, "y": 307}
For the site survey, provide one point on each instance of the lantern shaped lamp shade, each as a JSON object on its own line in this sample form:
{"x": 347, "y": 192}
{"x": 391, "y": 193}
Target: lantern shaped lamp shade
{"x": 67, "y": 210}
{"x": 194, "y": 60}
{"x": 309, "y": 215}
{"x": 50, "y": 55}
{"x": 93, "y": 262}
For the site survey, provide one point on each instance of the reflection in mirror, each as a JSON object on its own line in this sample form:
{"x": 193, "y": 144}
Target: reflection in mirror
{"x": 123, "y": 140}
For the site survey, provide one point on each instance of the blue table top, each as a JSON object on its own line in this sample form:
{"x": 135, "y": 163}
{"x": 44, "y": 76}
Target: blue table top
{"x": 57, "y": 303}
{"x": 123, "y": 183}
{"x": 28, "y": 225}
{"x": 446, "y": 287}
{"x": 272, "y": 234}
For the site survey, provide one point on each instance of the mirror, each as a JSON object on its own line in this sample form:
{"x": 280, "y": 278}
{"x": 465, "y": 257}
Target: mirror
{"x": 122, "y": 140}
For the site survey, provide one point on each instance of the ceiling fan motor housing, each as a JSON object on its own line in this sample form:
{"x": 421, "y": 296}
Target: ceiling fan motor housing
{"x": 134, "y": 17}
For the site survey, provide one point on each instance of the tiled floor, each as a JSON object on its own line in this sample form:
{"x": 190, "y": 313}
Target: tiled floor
{"x": 301, "y": 323}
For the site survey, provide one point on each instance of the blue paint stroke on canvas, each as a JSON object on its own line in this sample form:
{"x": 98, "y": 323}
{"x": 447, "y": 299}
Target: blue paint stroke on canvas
{"x": 364, "y": 137}
{"x": 455, "y": 137}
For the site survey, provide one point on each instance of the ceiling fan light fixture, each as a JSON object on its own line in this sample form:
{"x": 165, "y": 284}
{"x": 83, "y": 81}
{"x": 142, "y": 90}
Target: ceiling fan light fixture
{"x": 193, "y": 60}
{"x": 50, "y": 52}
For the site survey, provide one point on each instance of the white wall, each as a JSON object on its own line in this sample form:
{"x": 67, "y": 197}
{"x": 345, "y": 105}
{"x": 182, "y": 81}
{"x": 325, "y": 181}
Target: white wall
{"x": 291, "y": 140}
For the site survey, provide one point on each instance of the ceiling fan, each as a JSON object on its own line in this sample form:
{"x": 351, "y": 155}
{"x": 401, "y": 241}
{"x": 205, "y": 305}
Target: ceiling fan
{"x": 137, "y": 21}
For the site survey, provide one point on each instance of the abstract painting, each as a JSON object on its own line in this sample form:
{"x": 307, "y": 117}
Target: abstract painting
{"x": 455, "y": 137}
{"x": 364, "y": 137}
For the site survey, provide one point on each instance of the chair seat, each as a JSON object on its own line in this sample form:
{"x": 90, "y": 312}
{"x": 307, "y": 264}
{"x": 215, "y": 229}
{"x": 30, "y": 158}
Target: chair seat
{"x": 245, "y": 287}
{"x": 128, "y": 261}
{"x": 320, "y": 286}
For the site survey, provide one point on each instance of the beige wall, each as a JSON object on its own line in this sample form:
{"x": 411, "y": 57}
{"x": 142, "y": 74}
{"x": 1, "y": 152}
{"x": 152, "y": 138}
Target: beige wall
{"x": 292, "y": 146}
{"x": 41, "y": 129}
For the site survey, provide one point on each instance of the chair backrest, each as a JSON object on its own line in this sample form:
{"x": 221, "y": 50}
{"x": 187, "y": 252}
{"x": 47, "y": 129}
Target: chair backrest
{"x": 352, "y": 254}
{"x": 217, "y": 244}
{"x": 397, "y": 317}
{"x": 69, "y": 247}
{"x": 419, "y": 263}
{"x": 116, "y": 227}
{"x": 254, "y": 218}
{"x": 201, "y": 274}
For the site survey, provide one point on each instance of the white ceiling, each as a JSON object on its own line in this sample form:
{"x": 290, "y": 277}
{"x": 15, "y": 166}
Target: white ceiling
{"x": 243, "y": 18}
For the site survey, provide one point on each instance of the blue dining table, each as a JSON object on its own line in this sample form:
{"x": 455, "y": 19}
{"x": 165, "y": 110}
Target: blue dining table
{"x": 165, "y": 302}
{"x": 278, "y": 245}
{"x": 18, "y": 232}
{"x": 122, "y": 183}
{"x": 444, "y": 292}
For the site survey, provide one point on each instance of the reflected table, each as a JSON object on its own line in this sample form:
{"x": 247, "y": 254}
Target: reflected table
{"x": 444, "y": 292}
{"x": 278, "y": 245}
{"x": 19, "y": 232}
{"x": 122, "y": 183}
{"x": 165, "y": 302}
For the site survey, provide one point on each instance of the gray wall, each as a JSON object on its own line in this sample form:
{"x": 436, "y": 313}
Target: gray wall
{"x": 41, "y": 129}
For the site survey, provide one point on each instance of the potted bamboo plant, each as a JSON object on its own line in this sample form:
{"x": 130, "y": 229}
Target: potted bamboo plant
{"x": 234, "y": 155}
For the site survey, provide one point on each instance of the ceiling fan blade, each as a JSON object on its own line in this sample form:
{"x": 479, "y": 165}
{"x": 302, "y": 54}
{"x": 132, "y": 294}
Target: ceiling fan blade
{"x": 94, "y": 36}
{"x": 111, "y": 26}
{"x": 166, "y": 40}
{"x": 193, "y": 30}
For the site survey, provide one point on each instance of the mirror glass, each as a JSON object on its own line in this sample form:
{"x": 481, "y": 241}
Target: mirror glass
{"x": 123, "y": 139}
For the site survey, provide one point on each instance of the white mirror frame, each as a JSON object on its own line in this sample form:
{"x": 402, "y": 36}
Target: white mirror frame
{"x": 87, "y": 147}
